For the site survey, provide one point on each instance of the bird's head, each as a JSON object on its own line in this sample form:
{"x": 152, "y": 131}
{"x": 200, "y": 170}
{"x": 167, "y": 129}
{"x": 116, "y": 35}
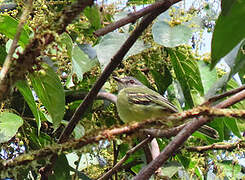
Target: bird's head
{"x": 127, "y": 81}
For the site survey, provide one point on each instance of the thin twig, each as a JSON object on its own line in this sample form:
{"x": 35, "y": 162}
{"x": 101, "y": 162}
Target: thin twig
{"x": 217, "y": 146}
{"x": 155, "y": 151}
{"x": 180, "y": 118}
{"x": 107, "y": 96}
{"x": 78, "y": 95}
{"x": 132, "y": 17}
{"x": 221, "y": 96}
{"x": 115, "y": 154}
{"x": 233, "y": 100}
{"x": 8, "y": 60}
{"x": 118, "y": 165}
{"x": 130, "y": 165}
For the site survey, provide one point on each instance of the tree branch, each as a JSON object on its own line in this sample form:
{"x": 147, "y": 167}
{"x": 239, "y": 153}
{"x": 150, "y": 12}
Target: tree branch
{"x": 217, "y": 146}
{"x": 113, "y": 170}
{"x": 95, "y": 137}
{"x": 98, "y": 135}
{"x": 232, "y": 100}
{"x": 221, "y": 96}
{"x": 26, "y": 60}
{"x": 8, "y": 61}
{"x": 132, "y": 17}
{"x": 191, "y": 127}
{"x": 167, "y": 133}
{"x": 111, "y": 66}
{"x": 78, "y": 95}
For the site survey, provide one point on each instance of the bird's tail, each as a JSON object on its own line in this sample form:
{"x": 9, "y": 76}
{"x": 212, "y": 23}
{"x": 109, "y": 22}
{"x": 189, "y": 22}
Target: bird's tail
{"x": 208, "y": 131}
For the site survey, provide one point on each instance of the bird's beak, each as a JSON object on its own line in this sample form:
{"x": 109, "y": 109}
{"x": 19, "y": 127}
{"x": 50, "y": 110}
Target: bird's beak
{"x": 117, "y": 79}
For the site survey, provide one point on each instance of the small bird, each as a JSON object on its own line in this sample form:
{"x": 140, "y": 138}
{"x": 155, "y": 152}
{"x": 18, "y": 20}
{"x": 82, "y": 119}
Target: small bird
{"x": 136, "y": 102}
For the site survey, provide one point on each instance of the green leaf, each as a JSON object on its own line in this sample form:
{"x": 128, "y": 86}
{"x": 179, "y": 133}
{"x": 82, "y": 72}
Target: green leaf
{"x": 229, "y": 168}
{"x": 229, "y": 31}
{"x": 80, "y": 174}
{"x": 226, "y": 6}
{"x": 242, "y": 76}
{"x": 66, "y": 39}
{"x": 81, "y": 62}
{"x": 111, "y": 43}
{"x": 199, "y": 173}
{"x": 8, "y": 27}
{"x": 142, "y": 78}
{"x": 171, "y": 168}
{"x": 187, "y": 73}
{"x": 175, "y": 95}
{"x": 162, "y": 81}
{"x": 235, "y": 125}
{"x": 69, "y": 83}
{"x": 19, "y": 49}
{"x": 168, "y": 36}
{"x": 218, "y": 125}
{"x": 61, "y": 169}
{"x": 139, "y": 2}
{"x": 235, "y": 59}
{"x": 232, "y": 84}
{"x": 232, "y": 125}
{"x": 224, "y": 82}
{"x": 239, "y": 64}
{"x": 208, "y": 77}
{"x": 184, "y": 160}
{"x": 9, "y": 125}
{"x": 50, "y": 92}
{"x": 197, "y": 98}
{"x": 26, "y": 92}
{"x": 82, "y": 161}
{"x": 3, "y": 54}
{"x": 217, "y": 86}
{"x": 93, "y": 15}
{"x": 89, "y": 50}
{"x": 79, "y": 130}
{"x": 37, "y": 142}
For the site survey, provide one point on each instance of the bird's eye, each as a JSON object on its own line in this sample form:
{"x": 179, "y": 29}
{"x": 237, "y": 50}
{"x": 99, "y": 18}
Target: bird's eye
{"x": 131, "y": 81}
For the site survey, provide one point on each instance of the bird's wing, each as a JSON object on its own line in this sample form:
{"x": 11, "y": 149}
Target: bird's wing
{"x": 145, "y": 96}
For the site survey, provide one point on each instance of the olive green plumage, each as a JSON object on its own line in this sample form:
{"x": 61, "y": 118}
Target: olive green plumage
{"x": 136, "y": 102}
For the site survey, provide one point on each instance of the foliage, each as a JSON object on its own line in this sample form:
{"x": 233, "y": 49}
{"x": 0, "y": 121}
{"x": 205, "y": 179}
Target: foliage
{"x": 165, "y": 58}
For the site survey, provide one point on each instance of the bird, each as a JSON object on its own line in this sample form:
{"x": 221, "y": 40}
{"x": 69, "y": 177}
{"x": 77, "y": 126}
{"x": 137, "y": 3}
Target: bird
{"x": 136, "y": 103}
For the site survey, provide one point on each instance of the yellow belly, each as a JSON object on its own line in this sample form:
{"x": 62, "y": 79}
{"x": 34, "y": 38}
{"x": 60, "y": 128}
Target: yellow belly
{"x": 130, "y": 112}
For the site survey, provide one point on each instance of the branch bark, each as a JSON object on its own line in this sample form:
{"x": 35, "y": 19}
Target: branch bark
{"x": 78, "y": 95}
{"x": 113, "y": 170}
{"x": 8, "y": 60}
{"x": 221, "y": 96}
{"x": 27, "y": 59}
{"x": 217, "y": 146}
{"x": 191, "y": 127}
{"x": 129, "y": 130}
{"x": 132, "y": 17}
{"x": 98, "y": 135}
{"x": 110, "y": 68}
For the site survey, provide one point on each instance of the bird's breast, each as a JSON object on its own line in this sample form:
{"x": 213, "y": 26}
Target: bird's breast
{"x": 130, "y": 111}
